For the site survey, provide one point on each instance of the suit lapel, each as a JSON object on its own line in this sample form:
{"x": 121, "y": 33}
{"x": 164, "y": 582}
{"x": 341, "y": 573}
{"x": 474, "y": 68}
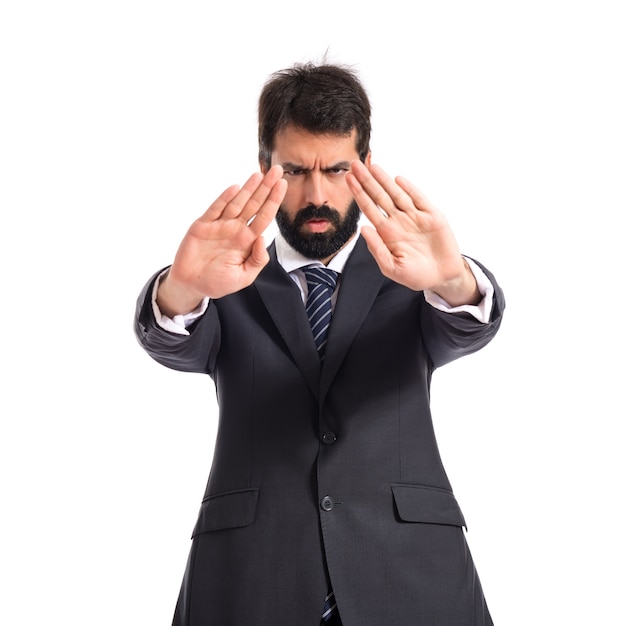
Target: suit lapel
{"x": 360, "y": 283}
{"x": 283, "y": 301}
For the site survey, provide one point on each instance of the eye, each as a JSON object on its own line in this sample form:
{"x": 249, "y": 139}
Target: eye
{"x": 294, "y": 172}
{"x": 337, "y": 171}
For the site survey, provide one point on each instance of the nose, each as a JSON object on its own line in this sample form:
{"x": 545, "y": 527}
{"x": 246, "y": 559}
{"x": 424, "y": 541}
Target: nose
{"x": 315, "y": 191}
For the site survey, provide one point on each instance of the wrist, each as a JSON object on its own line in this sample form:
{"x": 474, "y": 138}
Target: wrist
{"x": 174, "y": 298}
{"x": 463, "y": 289}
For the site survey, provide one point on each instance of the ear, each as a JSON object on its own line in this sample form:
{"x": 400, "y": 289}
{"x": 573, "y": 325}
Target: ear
{"x": 368, "y": 160}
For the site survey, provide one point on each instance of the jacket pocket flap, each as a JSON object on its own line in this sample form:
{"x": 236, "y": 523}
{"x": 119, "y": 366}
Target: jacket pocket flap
{"x": 234, "y": 509}
{"x": 418, "y": 503}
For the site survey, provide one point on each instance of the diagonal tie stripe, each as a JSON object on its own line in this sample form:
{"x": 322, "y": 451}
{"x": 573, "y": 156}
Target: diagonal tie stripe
{"x": 321, "y": 283}
{"x": 329, "y": 607}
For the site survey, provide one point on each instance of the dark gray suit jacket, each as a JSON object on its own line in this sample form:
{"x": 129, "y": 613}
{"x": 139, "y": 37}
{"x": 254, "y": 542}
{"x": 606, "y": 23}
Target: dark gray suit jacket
{"x": 325, "y": 475}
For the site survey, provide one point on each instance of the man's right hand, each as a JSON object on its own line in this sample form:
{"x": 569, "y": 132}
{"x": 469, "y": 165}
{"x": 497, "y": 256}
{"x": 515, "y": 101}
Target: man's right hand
{"x": 223, "y": 250}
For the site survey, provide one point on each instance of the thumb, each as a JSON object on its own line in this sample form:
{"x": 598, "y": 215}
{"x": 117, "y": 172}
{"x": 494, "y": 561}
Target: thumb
{"x": 378, "y": 248}
{"x": 259, "y": 256}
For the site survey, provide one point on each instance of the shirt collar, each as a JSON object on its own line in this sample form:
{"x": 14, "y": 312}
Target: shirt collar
{"x": 292, "y": 260}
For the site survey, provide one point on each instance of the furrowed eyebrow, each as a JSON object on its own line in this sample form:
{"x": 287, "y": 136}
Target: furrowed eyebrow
{"x": 292, "y": 166}
{"x": 341, "y": 165}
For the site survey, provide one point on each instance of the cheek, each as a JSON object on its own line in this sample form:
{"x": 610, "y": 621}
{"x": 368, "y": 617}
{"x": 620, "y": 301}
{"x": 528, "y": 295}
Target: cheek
{"x": 339, "y": 189}
{"x": 343, "y": 198}
{"x": 294, "y": 199}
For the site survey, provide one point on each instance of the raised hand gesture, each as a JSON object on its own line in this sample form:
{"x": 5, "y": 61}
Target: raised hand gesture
{"x": 410, "y": 239}
{"x": 223, "y": 250}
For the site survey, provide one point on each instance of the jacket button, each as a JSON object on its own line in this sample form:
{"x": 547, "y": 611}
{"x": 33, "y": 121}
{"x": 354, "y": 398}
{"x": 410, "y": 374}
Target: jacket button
{"x": 329, "y": 437}
{"x": 327, "y": 503}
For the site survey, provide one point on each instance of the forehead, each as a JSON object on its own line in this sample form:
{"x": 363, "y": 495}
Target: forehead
{"x": 296, "y": 145}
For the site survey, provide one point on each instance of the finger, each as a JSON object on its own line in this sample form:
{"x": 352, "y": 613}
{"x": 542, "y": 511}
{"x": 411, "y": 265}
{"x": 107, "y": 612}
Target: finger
{"x": 400, "y": 198}
{"x": 216, "y": 209}
{"x": 267, "y": 211}
{"x": 258, "y": 258}
{"x": 234, "y": 201}
{"x": 420, "y": 201}
{"x": 262, "y": 193}
{"x": 381, "y": 188}
{"x": 234, "y": 208}
{"x": 378, "y": 248}
{"x": 368, "y": 206}
{"x": 369, "y": 189}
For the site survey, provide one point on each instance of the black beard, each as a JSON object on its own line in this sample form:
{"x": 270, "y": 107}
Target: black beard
{"x": 319, "y": 245}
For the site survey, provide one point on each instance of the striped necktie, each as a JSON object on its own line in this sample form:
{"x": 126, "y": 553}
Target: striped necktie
{"x": 321, "y": 282}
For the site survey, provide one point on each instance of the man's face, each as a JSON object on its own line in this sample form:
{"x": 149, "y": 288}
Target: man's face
{"x": 318, "y": 215}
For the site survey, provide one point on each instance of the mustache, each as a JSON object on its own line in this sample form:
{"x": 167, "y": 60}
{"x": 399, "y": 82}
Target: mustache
{"x": 317, "y": 212}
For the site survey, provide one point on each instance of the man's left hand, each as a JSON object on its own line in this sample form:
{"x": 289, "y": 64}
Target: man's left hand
{"x": 410, "y": 239}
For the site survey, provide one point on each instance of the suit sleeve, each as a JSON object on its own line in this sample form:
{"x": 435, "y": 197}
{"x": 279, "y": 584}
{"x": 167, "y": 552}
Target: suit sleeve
{"x": 195, "y": 352}
{"x": 449, "y": 336}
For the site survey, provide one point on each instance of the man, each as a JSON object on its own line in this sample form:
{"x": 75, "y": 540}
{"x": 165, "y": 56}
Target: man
{"x": 327, "y": 498}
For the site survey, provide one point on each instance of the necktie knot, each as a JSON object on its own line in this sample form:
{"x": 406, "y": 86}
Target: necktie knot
{"x": 320, "y": 276}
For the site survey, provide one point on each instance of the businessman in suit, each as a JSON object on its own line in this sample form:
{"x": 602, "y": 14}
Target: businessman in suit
{"x": 327, "y": 500}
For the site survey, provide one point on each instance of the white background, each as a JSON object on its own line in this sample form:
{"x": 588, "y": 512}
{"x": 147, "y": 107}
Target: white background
{"x": 121, "y": 121}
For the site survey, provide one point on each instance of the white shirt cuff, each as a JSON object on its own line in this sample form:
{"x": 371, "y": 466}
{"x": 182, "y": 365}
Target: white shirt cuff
{"x": 481, "y": 311}
{"x": 179, "y": 323}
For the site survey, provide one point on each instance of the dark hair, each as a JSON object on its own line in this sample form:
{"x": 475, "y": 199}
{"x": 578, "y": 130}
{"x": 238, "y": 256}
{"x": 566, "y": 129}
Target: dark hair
{"x": 318, "y": 98}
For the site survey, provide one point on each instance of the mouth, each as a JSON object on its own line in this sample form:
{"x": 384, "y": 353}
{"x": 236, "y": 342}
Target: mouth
{"x": 317, "y": 225}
